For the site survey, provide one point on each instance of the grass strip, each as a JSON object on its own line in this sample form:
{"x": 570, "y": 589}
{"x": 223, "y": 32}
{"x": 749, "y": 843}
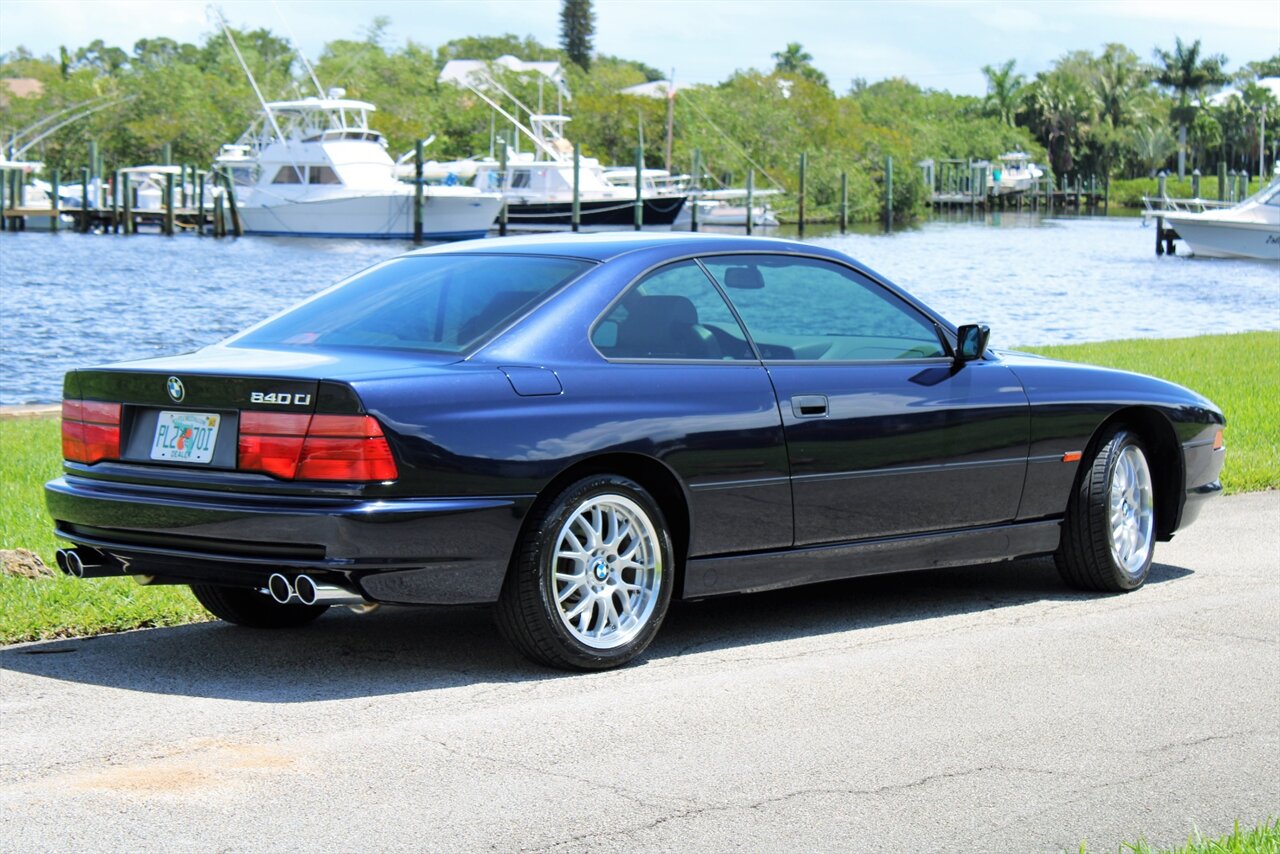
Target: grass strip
{"x": 30, "y": 454}
{"x": 1263, "y": 839}
{"x": 1240, "y": 373}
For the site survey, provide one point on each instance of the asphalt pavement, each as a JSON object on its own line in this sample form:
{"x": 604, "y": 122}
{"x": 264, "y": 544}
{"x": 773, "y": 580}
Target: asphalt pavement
{"x": 973, "y": 709}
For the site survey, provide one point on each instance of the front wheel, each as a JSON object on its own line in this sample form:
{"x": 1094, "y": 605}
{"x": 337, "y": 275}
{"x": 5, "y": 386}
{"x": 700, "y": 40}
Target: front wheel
{"x": 1109, "y": 534}
{"x": 246, "y": 607}
{"x": 592, "y": 579}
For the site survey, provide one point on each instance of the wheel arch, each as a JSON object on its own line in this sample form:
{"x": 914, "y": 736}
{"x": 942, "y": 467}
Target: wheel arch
{"x": 1160, "y": 440}
{"x": 651, "y": 473}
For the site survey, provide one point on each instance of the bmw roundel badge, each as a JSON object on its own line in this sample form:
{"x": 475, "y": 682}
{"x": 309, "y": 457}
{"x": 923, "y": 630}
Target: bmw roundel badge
{"x": 176, "y": 389}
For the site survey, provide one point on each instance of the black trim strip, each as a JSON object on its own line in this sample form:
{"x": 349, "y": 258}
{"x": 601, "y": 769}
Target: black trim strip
{"x": 843, "y": 475}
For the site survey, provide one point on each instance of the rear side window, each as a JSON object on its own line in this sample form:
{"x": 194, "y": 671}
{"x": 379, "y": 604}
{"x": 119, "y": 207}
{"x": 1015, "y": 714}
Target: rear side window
{"x": 673, "y": 313}
{"x": 440, "y": 303}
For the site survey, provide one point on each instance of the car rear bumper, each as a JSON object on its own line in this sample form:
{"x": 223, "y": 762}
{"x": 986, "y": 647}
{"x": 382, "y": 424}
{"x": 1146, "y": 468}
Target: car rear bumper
{"x": 417, "y": 551}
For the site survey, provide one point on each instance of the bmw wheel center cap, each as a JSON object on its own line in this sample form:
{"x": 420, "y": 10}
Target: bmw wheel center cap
{"x": 600, "y": 569}
{"x": 176, "y": 390}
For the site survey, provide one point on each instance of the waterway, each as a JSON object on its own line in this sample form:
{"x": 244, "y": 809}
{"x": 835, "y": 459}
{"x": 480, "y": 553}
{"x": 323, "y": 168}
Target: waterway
{"x": 71, "y": 300}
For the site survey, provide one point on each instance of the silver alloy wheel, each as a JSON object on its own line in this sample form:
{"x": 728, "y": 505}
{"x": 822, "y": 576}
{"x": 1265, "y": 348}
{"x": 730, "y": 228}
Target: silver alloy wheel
{"x": 607, "y": 572}
{"x": 1131, "y": 511}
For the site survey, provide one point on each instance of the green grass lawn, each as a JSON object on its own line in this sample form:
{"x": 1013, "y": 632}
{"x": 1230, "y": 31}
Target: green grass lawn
{"x": 1263, "y": 839}
{"x": 1241, "y": 373}
{"x": 30, "y": 454}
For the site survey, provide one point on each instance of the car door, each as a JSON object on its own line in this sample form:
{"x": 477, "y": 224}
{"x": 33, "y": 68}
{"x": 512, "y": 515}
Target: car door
{"x": 700, "y": 401}
{"x": 885, "y": 435}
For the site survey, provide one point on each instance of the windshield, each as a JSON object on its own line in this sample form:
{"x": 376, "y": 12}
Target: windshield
{"x": 440, "y": 303}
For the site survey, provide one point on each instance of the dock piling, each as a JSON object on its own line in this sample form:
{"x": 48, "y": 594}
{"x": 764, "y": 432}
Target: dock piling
{"x": 502, "y": 183}
{"x": 85, "y": 172}
{"x": 804, "y": 163}
{"x": 576, "y": 215}
{"x": 844, "y": 202}
{"x": 54, "y": 201}
{"x": 237, "y": 227}
{"x": 198, "y": 185}
{"x": 751, "y": 192}
{"x": 168, "y": 204}
{"x": 697, "y": 184}
{"x": 417, "y": 191}
{"x": 888, "y": 193}
{"x": 639, "y": 186}
{"x": 126, "y": 191}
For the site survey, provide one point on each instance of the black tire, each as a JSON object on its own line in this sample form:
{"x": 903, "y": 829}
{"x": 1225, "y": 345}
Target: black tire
{"x": 528, "y": 612}
{"x": 246, "y": 607}
{"x": 1085, "y": 557}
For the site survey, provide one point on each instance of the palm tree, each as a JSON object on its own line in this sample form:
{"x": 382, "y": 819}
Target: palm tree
{"x": 1004, "y": 91}
{"x": 797, "y": 62}
{"x": 1187, "y": 74}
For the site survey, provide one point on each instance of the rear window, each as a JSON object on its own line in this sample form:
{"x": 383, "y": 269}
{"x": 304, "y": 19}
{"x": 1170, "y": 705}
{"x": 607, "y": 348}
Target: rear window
{"x": 441, "y": 303}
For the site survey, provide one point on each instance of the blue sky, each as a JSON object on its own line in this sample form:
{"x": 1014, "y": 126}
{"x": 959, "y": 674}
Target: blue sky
{"x": 941, "y": 44}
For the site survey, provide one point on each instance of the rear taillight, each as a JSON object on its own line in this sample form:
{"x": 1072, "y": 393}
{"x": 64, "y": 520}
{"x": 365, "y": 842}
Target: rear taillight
{"x": 320, "y": 447}
{"x": 90, "y": 431}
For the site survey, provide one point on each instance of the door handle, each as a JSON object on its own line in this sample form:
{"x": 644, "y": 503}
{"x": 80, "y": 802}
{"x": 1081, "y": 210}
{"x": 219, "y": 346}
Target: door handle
{"x": 809, "y": 406}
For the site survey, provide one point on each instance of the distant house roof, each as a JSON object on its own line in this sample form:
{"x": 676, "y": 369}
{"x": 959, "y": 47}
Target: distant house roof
{"x": 652, "y": 89}
{"x": 475, "y": 71}
{"x": 21, "y": 87}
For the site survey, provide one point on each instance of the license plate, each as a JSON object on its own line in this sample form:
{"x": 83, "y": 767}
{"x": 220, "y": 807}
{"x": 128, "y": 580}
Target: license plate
{"x": 185, "y": 437}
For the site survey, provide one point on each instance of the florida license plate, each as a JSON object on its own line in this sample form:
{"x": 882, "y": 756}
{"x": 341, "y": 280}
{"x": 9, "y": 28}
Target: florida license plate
{"x": 185, "y": 437}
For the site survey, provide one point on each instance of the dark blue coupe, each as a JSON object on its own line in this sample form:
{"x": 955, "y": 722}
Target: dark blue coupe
{"x": 579, "y": 428}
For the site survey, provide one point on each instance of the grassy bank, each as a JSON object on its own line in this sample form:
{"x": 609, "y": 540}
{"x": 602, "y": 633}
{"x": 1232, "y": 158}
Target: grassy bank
{"x": 1129, "y": 192}
{"x": 1241, "y": 373}
{"x": 1263, "y": 839}
{"x": 30, "y": 454}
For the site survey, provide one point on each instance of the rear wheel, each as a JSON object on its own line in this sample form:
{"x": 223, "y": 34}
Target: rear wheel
{"x": 246, "y": 607}
{"x": 1109, "y": 534}
{"x": 592, "y": 579}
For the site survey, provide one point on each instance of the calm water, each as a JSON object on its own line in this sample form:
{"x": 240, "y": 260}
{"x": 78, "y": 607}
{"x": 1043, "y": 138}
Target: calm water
{"x": 69, "y": 300}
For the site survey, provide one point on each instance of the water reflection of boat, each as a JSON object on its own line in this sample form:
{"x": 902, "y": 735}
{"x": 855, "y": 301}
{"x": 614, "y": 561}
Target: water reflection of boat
{"x": 314, "y": 167}
{"x": 1250, "y": 229}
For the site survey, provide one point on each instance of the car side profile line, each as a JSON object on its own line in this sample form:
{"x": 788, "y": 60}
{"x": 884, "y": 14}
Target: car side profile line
{"x": 579, "y": 428}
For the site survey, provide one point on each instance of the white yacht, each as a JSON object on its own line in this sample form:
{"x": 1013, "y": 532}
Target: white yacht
{"x": 1250, "y": 229}
{"x": 314, "y": 168}
{"x": 1015, "y": 174}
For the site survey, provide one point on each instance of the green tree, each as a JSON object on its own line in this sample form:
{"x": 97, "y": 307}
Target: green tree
{"x": 1004, "y": 91}
{"x": 795, "y": 61}
{"x": 1187, "y": 74}
{"x": 577, "y": 26}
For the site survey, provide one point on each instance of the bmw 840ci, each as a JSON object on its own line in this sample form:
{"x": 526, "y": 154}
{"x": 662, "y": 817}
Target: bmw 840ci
{"x": 577, "y": 429}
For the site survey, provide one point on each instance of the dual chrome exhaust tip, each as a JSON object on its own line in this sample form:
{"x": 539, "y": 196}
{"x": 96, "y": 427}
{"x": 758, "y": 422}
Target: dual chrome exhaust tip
{"x": 83, "y": 562}
{"x": 305, "y": 590}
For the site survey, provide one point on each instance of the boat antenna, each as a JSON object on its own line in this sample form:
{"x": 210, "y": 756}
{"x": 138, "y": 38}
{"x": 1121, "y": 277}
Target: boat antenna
{"x": 311, "y": 72}
{"x": 247, "y": 73}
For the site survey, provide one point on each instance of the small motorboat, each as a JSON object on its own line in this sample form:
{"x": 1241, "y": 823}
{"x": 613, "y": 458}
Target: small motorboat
{"x": 1249, "y": 229}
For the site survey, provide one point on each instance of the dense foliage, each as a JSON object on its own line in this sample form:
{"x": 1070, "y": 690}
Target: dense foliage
{"x": 1109, "y": 114}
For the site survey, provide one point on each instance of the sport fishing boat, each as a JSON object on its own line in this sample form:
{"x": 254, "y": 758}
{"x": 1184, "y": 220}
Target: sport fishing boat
{"x": 314, "y": 168}
{"x": 725, "y": 207}
{"x": 1249, "y": 229}
{"x": 538, "y": 184}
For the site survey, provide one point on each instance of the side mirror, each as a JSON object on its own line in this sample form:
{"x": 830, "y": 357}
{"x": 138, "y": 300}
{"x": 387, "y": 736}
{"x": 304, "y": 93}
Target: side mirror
{"x": 971, "y": 341}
